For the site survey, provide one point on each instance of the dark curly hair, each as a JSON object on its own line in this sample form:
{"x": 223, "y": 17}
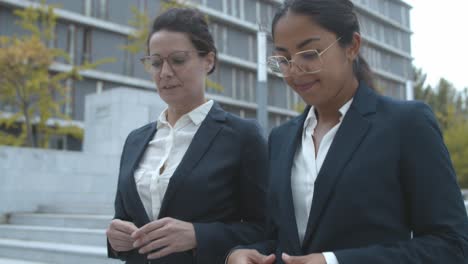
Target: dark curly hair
{"x": 190, "y": 22}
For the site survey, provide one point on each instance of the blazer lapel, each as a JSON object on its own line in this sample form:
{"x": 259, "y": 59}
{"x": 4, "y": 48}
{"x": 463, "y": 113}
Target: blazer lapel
{"x": 347, "y": 139}
{"x": 136, "y": 150}
{"x": 201, "y": 142}
{"x": 290, "y": 141}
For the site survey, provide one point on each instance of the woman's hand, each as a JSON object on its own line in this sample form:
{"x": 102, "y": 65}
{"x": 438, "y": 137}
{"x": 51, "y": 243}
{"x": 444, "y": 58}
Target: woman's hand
{"x": 119, "y": 235}
{"x": 166, "y": 235}
{"x": 315, "y": 258}
{"x": 249, "y": 256}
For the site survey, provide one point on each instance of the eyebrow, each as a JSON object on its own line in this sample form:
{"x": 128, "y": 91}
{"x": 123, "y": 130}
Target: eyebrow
{"x": 174, "y": 51}
{"x": 300, "y": 45}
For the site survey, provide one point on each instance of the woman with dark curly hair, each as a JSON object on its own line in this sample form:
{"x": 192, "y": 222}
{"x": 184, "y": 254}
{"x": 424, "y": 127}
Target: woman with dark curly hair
{"x": 192, "y": 184}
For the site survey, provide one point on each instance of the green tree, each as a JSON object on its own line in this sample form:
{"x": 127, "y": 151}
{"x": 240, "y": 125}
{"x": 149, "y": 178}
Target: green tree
{"x": 456, "y": 138}
{"x": 26, "y": 85}
{"x": 451, "y": 109}
{"x": 421, "y": 92}
{"x": 137, "y": 41}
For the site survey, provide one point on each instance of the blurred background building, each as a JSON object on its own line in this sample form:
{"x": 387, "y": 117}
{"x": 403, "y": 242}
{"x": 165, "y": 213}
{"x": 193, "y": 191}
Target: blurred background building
{"x": 89, "y": 30}
{"x": 42, "y": 220}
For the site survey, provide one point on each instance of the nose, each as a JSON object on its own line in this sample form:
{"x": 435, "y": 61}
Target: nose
{"x": 294, "y": 69}
{"x": 166, "y": 70}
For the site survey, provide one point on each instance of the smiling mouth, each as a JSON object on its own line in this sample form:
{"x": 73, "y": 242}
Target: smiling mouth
{"x": 169, "y": 87}
{"x": 305, "y": 86}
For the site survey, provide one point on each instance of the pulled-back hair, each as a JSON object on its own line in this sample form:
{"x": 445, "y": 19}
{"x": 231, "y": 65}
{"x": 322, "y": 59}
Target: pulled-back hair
{"x": 190, "y": 22}
{"x": 336, "y": 16}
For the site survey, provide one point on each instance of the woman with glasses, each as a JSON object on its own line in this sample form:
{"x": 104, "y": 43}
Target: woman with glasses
{"x": 192, "y": 184}
{"x": 357, "y": 177}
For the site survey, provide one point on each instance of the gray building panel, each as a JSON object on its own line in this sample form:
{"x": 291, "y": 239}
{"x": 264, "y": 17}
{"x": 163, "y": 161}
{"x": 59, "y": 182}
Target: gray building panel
{"x": 102, "y": 41}
{"x": 120, "y": 11}
{"x": 378, "y": 30}
{"x": 79, "y": 44}
{"x": 80, "y": 90}
{"x": 225, "y": 79}
{"x": 277, "y": 93}
{"x": 62, "y": 40}
{"x": 393, "y": 9}
{"x": 217, "y": 5}
{"x": 140, "y": 71}
{"x": 265, "y": 13}
{"x": 8, "y": 25}
{"x": 237, "y": 43}
{"x": 76, "y": 6}
{"x": 386, "y": 61}
{"x": 384, "y": 23}
{"x": 250, "y": 11}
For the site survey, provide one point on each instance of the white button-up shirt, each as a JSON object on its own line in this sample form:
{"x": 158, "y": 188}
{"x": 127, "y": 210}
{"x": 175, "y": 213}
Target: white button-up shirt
{"x": 305, "y": 169}
{"x": 163, "y": 155}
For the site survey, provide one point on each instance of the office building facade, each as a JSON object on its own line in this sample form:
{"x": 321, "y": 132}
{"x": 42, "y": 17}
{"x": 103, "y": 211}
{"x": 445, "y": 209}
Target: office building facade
{"x": 89, "y": 30}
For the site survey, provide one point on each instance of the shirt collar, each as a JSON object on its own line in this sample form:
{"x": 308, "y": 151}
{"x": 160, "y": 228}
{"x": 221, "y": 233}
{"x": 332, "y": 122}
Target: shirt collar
{"x": 311, "y": 117}
{"x": 344, "y": 109}
{"x": 197, "y": 115}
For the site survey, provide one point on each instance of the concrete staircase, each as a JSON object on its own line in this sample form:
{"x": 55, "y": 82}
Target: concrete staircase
{"x": 54, "y": 237}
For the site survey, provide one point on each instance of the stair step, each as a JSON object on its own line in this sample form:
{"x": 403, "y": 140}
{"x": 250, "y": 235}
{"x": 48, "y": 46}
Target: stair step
{"x": 107, "y": 209}
{"x": 17, "y": 261}
{"x": 76, "y": 236}
{"x": 61, "y": 220}
{"x": 53, "y": 253}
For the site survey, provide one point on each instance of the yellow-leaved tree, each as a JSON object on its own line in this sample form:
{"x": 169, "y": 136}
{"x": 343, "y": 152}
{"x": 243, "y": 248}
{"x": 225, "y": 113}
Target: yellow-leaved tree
{"x": 451, "y": 110}
{"x": 456, "y": 139}
{"x": 32, "y": 94}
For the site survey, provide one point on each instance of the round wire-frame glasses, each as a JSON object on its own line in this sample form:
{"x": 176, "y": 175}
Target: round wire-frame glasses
{"x": 307, "y": 61}
{"x": 176, "y": 60}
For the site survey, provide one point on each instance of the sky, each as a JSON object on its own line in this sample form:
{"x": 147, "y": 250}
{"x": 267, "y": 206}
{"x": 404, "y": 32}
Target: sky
{"x": 440, "y": 39}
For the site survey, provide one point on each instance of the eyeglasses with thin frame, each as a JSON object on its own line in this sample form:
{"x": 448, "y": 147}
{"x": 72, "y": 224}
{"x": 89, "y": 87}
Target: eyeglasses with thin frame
{"x": 307, "y": 61}
{"x": 177, "y": 60}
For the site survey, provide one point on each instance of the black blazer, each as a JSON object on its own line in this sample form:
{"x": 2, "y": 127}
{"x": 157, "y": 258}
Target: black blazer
{"x": 386, "y": 193}
{"x": 219, "y": 186}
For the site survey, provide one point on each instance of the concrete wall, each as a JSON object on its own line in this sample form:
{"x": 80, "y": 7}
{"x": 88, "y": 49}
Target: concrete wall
{"x": 32, "y": 178}
{"x": 111, "y": 115}
{"x": 77, "y": 182}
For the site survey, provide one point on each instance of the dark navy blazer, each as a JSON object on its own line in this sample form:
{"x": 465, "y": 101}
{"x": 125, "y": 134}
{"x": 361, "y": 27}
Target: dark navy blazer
{"x": 386, "y": 193}
{"x": 219, "y": 186}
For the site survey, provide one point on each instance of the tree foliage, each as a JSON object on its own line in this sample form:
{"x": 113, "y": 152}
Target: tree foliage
{"x": 141, "y": 22}
{"x": 28, "y": 89}
{"x": 451, "y": 109}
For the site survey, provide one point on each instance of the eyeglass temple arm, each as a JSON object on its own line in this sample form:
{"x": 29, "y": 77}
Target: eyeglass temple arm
{"x": 331, "y": 45}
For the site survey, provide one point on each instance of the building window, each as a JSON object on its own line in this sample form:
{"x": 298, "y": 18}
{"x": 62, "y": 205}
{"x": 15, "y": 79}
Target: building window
{"x": 224, "y": 41}
{"x": 71, "y": 44}
{"x": 241, "y": 9}
{"x": 96, "y": 8}
{"x": 234, "y": 8}
{"x": 250, "y": 87}
{"x": 87, "y": 46}
{"x": 103, "y": 9}
{"x": 258, "y": 7}
{"x": 129, "y": 63}
{"x": 251, "y": 47}
{"x": 234, "y": 83}
{"x": 87, "y": 7}
{"x": 242, "y": 87}
{"x": 225, "y": 6}
{"x": 143, "y": 5}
